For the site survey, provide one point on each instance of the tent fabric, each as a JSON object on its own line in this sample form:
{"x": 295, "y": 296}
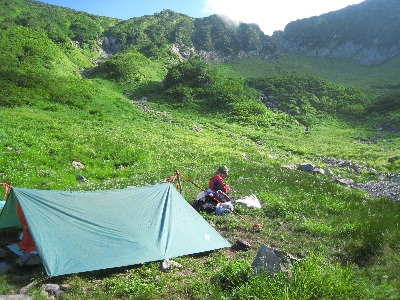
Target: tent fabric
{"x": 91, "y": 230}
{"x": 26, "y": 244}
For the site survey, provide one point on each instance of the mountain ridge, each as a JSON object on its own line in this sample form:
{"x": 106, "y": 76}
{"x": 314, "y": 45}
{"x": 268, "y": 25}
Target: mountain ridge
{"x": 366, "y": 33}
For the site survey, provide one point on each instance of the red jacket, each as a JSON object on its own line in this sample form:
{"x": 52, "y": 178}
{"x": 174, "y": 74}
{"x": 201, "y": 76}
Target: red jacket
{"x": 217, "y": 184}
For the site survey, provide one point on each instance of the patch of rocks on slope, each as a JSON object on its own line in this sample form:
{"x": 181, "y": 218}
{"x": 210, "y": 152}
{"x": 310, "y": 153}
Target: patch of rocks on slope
{"x": 386, "y": 185}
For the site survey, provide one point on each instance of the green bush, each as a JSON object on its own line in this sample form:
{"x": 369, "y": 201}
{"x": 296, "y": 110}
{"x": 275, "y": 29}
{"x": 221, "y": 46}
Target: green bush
{"x": 131, "y": 67}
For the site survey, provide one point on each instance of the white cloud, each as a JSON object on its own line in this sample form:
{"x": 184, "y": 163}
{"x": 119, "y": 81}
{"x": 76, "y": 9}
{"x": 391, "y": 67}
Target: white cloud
{"x": 273, "y": 15}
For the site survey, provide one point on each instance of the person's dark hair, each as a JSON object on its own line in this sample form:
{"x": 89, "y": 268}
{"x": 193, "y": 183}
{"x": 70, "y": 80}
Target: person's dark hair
{"x": 223, "y": 170}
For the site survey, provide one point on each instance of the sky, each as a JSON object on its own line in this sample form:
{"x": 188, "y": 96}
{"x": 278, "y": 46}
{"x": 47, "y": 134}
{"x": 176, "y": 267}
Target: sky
{"x": 270, "y": 15}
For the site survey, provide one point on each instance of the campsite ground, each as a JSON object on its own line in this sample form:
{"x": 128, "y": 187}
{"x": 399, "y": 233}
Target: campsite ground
{"x": 346, "y": 238}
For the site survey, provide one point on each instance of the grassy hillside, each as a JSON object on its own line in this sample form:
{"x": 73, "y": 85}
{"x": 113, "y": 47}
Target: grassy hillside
{"x": 371, "y": 80}
{"x": 133, "y": 119}
{"x": 348, "y": 238}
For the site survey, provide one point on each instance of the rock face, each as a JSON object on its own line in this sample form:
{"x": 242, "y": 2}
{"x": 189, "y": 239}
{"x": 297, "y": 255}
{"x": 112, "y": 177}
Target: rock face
{"x": 363, "y": 55}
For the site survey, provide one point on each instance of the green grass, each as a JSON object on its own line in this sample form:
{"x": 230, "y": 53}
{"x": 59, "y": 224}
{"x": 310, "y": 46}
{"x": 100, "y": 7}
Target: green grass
{"x": 348, "y": 238}
{"x": 371, "y": 80}
{"x": 51, "y": 115}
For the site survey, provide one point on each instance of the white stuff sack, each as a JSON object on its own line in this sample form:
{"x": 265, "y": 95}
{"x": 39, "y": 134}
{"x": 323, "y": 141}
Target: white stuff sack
{"x": 251, "y": 201}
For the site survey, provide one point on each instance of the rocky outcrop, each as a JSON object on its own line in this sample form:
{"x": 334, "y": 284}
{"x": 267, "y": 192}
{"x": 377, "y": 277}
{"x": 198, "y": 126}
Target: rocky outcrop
{"x": 385, "y": 185}
{"x": 363, "y": 55}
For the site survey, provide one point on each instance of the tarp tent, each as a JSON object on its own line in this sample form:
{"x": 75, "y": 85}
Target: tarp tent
{"x": 91, "y": 230}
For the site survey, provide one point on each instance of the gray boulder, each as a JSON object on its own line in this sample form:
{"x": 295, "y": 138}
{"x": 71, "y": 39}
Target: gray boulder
{"x": 272, "y": 260}
{"x": 306, "y": 167}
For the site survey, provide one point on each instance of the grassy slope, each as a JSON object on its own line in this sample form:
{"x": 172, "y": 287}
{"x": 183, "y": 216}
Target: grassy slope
{"x": 371, "y": 80}
{"x": 123, "y": 144}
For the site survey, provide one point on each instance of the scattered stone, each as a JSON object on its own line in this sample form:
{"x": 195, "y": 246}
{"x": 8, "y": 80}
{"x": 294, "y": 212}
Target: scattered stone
{"x": 196, "y": 128}
{"x": 65, "y": 287}
{"x": 80, "y": 178}
{"x": 245, "y": 156}
{"x": 306, "y": 167}
{"x": 387, "y": 185}
{"x": 78, "y": 165}
{"x": 329, "y": 171}
{"x": 242, "y": 245}
{"x": 52, "y": 289}
{"x": 266, "y": 260}
{"x": 15, "y": 297}
{"x": 345, "y": 181}
{"x": 333, "y": 162}
{"x": 272, "y": 260}
{"x": 168, "y": 264}
{"x": 26, "y": 288}
{"x": 383, "y": 188}
{"x": 319, "y": 171}
{"x": 16, "y": 150}
{"x": 290, "y": 167}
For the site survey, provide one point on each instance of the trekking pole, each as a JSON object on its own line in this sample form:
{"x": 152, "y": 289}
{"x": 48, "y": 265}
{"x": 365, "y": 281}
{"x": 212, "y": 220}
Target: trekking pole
{"x": 255, "y": 227}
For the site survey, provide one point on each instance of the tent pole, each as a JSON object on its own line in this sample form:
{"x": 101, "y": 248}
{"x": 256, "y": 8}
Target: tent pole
{"x": 179, "y": 181}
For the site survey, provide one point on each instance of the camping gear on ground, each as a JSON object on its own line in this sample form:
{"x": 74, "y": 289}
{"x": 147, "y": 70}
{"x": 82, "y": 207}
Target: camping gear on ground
{"x": 210, "y": 200}
{"x": 223, "y": 208}
{"x": 79, "y": 231}
{"x": 255, "y": 227}
{"x": 251, "y": 201}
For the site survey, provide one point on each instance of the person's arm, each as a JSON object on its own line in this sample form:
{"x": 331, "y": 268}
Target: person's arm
{"x": 220, "y": 186}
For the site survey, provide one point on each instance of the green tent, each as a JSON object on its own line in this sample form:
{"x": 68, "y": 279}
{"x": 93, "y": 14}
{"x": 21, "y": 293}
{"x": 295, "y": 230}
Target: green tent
{"x": 91, "y": 230}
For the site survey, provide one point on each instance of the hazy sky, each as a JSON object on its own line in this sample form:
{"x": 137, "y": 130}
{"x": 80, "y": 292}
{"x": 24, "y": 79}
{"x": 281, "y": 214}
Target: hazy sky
{"x": 270, "y": 15}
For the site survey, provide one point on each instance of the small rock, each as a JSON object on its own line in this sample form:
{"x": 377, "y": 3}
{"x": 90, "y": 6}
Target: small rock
{"x": 51, "y": 288}
{"x": 345, "y": 181}
{"x": 168, "y": 264}
{"x": 245, "y": 156}
{"x": 243, "y": 245}
{"x": 15, "y": 297}
{"x": 78, "y": 165}
{"x": 65, "y": 287}
{"x": 319, "y": 171}
{"x": 290, "y": 167}
{"x": 306, "y": 167}
{"x": 80, "y": 178}
{"x": 26, "y": 288}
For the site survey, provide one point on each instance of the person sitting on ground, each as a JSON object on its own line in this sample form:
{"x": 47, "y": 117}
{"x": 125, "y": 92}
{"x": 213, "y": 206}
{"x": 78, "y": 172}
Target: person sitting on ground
{"x": 208, "y": 200}
{"x": 217, "y": 181}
